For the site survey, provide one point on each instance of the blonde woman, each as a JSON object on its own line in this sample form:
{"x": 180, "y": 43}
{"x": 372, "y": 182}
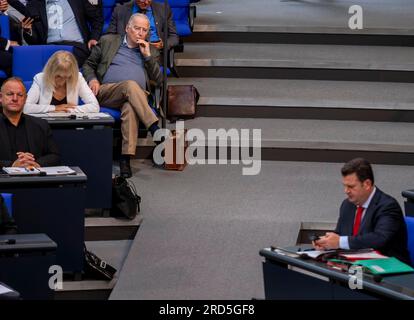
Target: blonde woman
{"x": 59, "y": 87}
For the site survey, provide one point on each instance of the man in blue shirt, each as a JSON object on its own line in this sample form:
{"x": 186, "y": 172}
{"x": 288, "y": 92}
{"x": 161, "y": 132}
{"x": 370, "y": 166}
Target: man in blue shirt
{"x": 156, "y": 15}
{"x": 72, "y": 22}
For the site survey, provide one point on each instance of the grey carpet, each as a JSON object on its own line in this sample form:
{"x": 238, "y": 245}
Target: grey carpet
{"x": 204, "y": 227}
{"x": 320, "y": 134}
{"x": 319, "y": 16}
{"x": 307, "y": 93}
{"x": 297, "y": 55}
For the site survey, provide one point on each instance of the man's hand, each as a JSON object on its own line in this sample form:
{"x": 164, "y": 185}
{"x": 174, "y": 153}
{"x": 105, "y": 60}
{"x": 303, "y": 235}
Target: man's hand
{"x": 144, "y": 47}
{"x": 14, "y": 43}
{"x": 25, "y": 164}
{"x": 92, "y": 43}
{"x": 25, "y": 156}
{"x": 4, "y": 5}
{"x": 158, "y": 45}
{"x": 94, "y": 85}
{"x": 327, "y": 242}
{"x": 25, "y": 160}
{"x": 65, "y": 107}
{"x": 27, "y": 24}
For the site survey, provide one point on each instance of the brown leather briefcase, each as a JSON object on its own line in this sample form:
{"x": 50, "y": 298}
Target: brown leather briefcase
{"x": 182, "y": 102}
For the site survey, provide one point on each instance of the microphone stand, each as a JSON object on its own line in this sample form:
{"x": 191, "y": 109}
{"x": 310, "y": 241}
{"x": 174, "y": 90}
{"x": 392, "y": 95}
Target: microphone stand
{"x": 165, "y": 63}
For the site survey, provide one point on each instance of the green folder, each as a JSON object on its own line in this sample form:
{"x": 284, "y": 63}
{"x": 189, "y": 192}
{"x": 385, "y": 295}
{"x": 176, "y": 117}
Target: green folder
{"x": 384, "y": 266}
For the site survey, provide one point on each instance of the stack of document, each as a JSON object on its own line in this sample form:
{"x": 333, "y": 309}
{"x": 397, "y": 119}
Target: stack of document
{"x": 315, "y": 254}
{"x": 351, "y": 255}
{"x": 74, "y": 115}
{"x": 42, "y": 171}
{"x": 15, "y": 171}
{"x": 362, "y": 255}
{"x": 384, "y": 266}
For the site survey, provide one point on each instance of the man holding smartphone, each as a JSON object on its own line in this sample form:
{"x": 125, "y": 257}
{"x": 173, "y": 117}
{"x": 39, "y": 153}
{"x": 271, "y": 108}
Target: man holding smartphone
{"x": 77, "y": 23}
{"x": 368, "y": 217}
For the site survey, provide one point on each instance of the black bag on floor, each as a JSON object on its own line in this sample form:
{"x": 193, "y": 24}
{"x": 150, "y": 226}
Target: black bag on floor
{"x": 97, "y": 268}
{"x": 125, "y": 200}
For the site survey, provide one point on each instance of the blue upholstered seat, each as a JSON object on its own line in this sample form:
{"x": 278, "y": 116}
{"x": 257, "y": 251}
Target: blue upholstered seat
{"x": 8, "y": 197}
{"x": 410, "y": 230}
{"x": 5, "y": 33}
{"x": 30, "y": 60}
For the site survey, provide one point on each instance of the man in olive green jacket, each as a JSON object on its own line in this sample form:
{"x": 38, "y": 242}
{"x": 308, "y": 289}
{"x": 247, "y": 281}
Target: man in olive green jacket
{"x": 118, "y": 71}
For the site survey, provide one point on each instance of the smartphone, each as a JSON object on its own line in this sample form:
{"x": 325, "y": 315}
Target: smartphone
{"x": 35, "y": 18}
{"x": 314, "y": 237}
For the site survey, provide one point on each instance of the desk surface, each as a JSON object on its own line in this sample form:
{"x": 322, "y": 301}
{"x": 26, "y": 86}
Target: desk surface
{"x": 26, "y": 243}
{"x": 395, "y": 287}
{"x": 90, "y": 121}
{"x": 7, "y": 180}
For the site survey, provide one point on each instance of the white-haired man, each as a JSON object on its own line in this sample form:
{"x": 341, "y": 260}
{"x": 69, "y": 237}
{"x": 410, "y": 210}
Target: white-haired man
{"x": 118, "y": 72}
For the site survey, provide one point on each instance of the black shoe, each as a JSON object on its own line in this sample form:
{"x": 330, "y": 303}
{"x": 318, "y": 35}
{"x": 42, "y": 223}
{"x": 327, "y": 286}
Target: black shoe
{"x": 125, "y": 167}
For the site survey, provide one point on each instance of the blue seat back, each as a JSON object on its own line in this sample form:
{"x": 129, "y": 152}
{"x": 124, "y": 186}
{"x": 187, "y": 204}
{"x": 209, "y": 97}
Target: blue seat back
{"x": 8, "y": 198}
{"x": 181, "y": 16}
{"x": 115, "y": 113}
{"x": 30, "y": 60}
{"x": 410, "y": 231}
{"x": 108, "y": 7}
{"x": 5, "y": 33}
{"x": 5, "y": 27}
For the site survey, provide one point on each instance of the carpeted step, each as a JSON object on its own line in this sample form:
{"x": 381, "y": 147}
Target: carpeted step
{"x": 303, "y": 99}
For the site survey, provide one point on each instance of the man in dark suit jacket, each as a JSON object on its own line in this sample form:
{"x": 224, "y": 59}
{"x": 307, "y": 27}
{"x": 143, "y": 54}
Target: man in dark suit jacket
{"x": 63, "y": 13}
{"x": 20, "y": 7}
{"x": 368, "y": 218}
{"x": 25, "y": 141}
{"x": 122, "y": 13}
{"x": 7, "y": 224}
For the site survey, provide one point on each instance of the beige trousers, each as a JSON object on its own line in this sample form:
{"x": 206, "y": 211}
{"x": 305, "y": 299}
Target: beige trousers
{"x": 133, "y": 102}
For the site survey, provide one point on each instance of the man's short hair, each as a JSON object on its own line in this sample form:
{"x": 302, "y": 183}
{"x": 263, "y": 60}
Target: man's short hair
{"x": 17, "y": 79}
{"x": 361, "y": 167}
